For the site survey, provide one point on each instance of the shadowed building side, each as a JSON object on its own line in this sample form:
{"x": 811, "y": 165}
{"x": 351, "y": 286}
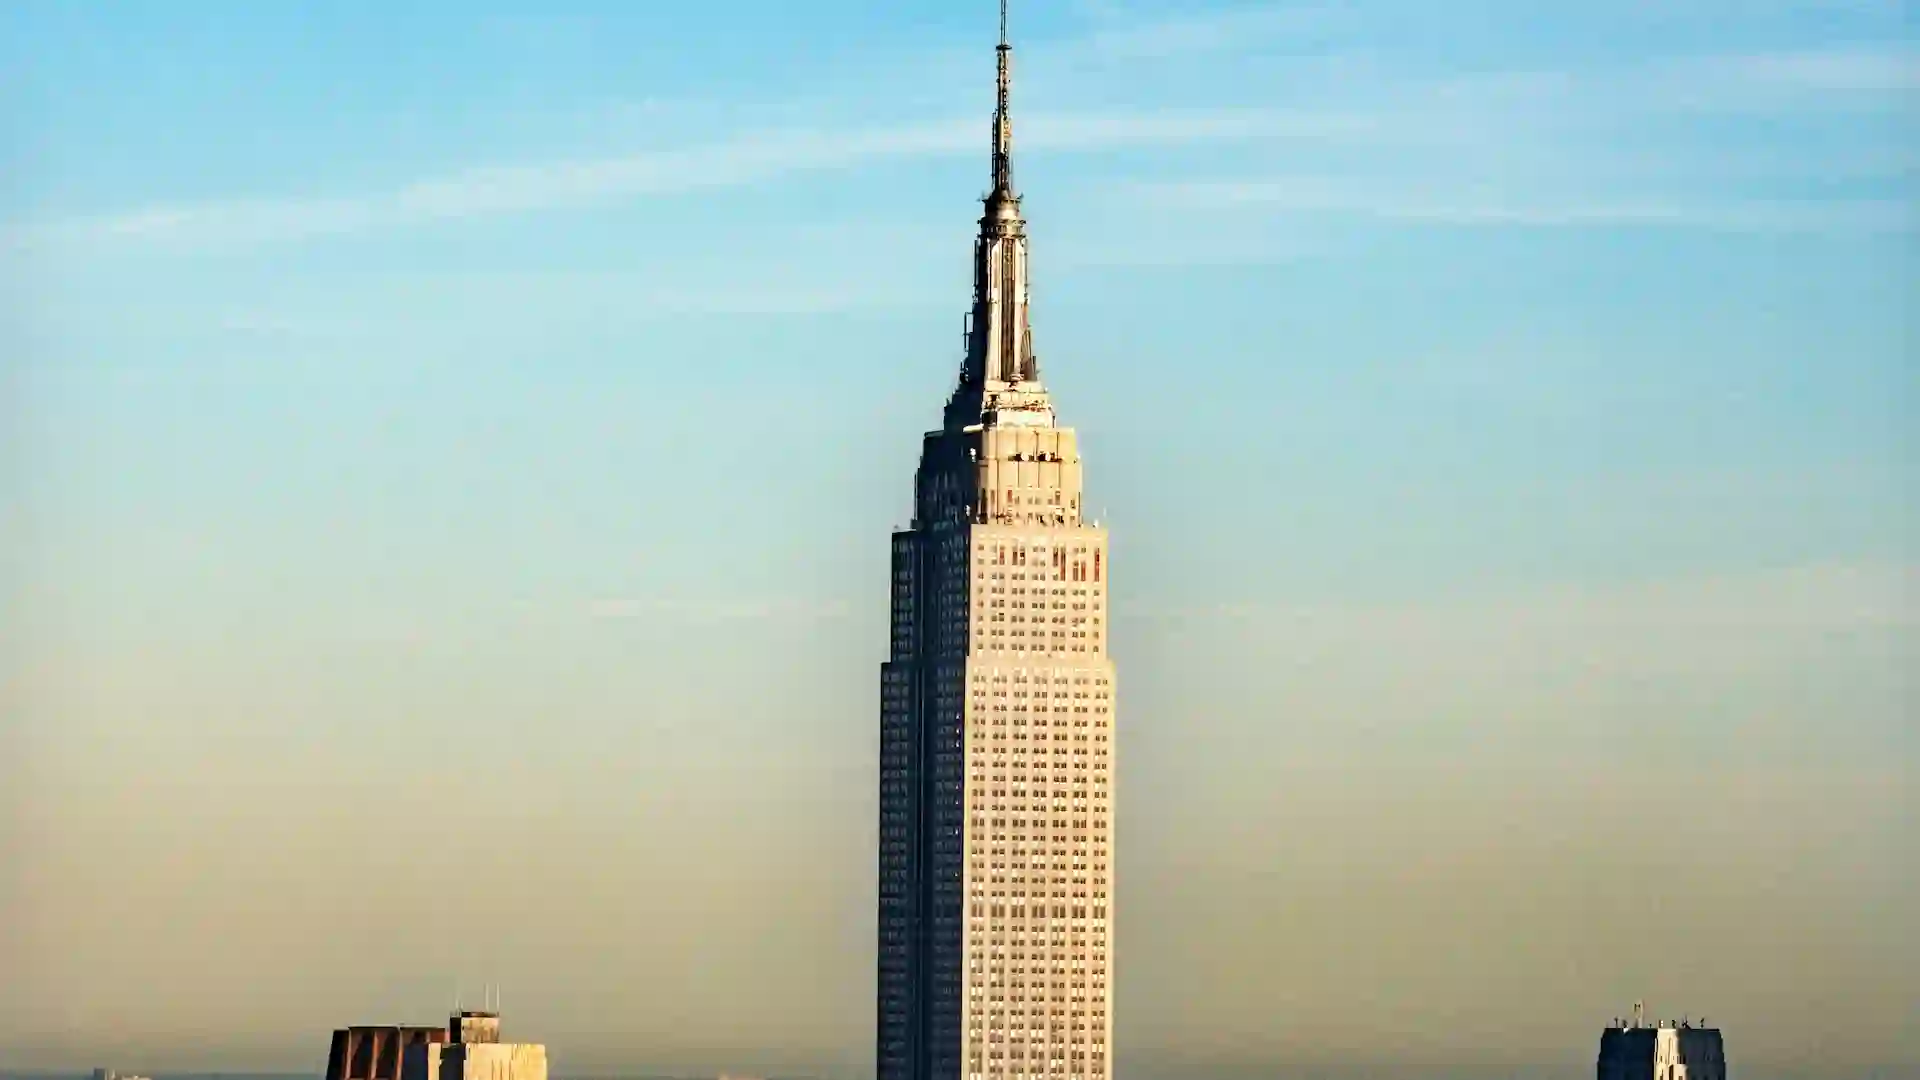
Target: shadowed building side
{"x": 375, "y": 1052}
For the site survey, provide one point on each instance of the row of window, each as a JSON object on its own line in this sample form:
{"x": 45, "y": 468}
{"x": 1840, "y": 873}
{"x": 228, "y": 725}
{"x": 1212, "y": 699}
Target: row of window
{"x": 1000, "y": 607}
{"x": 1038, "y": 686}
{"x": 1036, "y": 758}
{"x": 1039, "y": 675}
{"x": 1039, "y": 1017}
{"x": 980, "y": 909}
{"x": 1020, "y": 820}
{"x": 1037, "y": 864}
{"x": 1081, "y": 946}
{"x": 1023, "y": 827}
{"x": 997, "y": 1005}
{"x": 1040, "y": 886}
{"x": 1057, "y": 1049}
{"x": 1031, "y": 783}
{"x": 1043, "y": 880}
{"x": 1074, "y": 837}
{"x": 1040, "y": 711}
{"x": 1083, "y": 949}
{"x": 1086, "y": 744}
{"x": 1064, "y": 743}
{"x": 1040, "y": 830}
{"x": 1039, "y": 796}
{"x": 997, "y": 1014}
{"x": 1058, "y": 605}
{"x": 1040, "y": 878}
{"x": 1039, "y": 718}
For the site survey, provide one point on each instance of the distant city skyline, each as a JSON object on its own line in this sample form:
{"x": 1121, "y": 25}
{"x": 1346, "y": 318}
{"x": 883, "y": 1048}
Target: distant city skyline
{"x": 446, "y": 456}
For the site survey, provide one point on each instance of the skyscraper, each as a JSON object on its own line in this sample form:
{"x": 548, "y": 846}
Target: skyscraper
{"x": 996, "y": 718}
{"x": 1663, "y": 1050}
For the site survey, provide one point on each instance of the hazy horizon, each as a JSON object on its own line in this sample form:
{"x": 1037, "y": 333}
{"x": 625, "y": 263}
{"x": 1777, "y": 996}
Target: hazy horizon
{"x": 1150, "y": 1070}
{"x": 447, "y": 457}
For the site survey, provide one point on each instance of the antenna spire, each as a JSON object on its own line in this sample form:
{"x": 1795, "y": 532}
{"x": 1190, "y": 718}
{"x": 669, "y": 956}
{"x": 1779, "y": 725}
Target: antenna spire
{"x": 1002, "y": 115}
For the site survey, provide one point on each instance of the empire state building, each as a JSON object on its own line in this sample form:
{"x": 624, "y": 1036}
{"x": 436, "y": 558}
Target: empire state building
{"x": 996, "y": 717}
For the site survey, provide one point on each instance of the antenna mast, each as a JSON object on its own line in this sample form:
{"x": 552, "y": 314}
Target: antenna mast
{"x": 1002, "y": 116}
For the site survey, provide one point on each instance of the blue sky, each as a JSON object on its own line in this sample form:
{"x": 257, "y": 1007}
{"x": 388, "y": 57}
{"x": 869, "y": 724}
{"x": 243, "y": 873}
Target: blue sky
{"x": 1479, "y": 393}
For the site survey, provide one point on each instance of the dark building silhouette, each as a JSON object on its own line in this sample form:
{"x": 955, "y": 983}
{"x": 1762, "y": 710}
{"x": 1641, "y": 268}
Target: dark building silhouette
{"x": 376, "y": 1053}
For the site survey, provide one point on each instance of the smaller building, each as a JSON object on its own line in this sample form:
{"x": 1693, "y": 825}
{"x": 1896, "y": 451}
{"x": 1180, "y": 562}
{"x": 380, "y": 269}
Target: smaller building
{"x": 475, "y": 1052}
{"x": 374, "y": 1052}
{"x": 1663, "y": 1050}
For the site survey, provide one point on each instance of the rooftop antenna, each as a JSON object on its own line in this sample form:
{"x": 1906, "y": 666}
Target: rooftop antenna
{"x": 1002, "y": 120}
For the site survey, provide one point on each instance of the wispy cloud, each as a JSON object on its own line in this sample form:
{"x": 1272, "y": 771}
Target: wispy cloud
{"x": 1232, "y": 29}
{"x": 1856, "y": 69}
{"x": 1523, "y": 116}
{"x": 776, "y": 610}
{"x": 1819, "y": 598}
{"x": 748, "y": 159}
{"x": 519, "y": 188}
{"x": 1493, "y": 207}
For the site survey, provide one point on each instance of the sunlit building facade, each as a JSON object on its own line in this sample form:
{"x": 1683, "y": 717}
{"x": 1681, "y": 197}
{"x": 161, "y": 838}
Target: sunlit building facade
{"x": 997, "y": 718}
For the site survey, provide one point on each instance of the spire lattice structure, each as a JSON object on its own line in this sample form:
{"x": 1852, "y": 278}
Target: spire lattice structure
{"x": 1000, "y": 376}
{"x": 1002, "y": 114}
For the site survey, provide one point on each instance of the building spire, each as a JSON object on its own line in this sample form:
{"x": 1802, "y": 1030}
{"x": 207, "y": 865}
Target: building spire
{"x": 1002, "y": 114}
{"x": 1000, "y": 378}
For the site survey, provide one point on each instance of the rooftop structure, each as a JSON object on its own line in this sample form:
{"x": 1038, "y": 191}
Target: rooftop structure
{"x": 469, "y": 1026}
{"x": 475, "y": 1053}
{"x": 468, "y": 1047}
{"x": 1638, "y": 1049}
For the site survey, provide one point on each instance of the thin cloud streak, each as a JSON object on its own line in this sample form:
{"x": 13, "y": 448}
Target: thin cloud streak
{"x": 1495, "y": 208}
{"x": 1819, "y": 598}
{"x": 746, "y": 160}
{"x": 785, "y": 609}
{"x": 1234, "y": 30}
{"x": 1496, "y": 112}
{"x": 1867, "y": 70}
